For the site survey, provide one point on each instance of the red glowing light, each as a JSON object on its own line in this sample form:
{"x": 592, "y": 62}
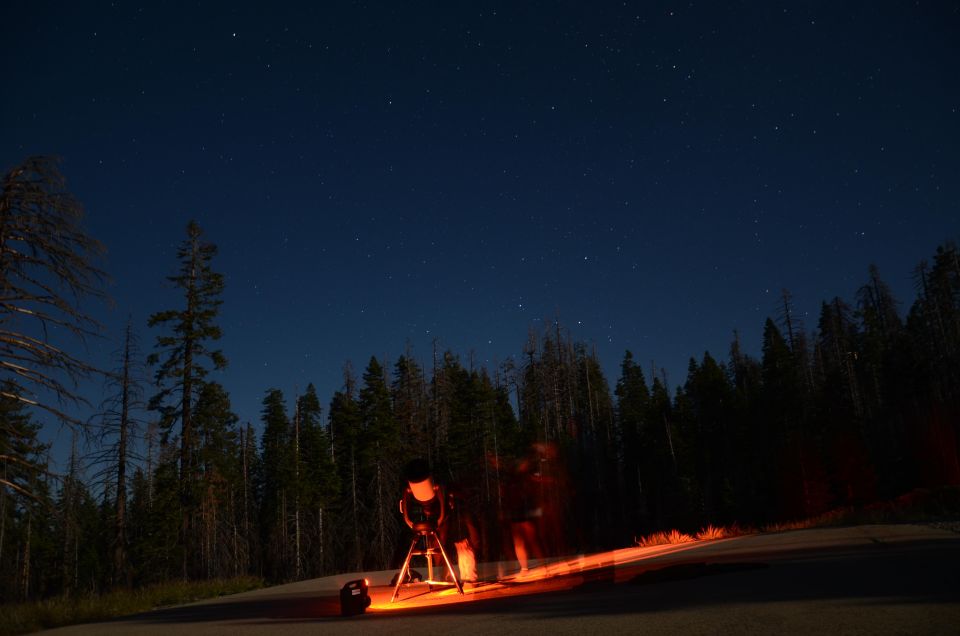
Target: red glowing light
{"x": 553, "y": 576}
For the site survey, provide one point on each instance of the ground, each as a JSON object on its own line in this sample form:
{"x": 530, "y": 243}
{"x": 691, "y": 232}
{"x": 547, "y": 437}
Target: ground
{"x": 862, "y": 579}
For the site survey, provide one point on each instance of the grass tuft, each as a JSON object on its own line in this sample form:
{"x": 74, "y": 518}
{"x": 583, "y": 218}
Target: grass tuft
{"x": 665, "y": 538}
{"x": 712, "y": 532}
{"x": 21, "y": 618}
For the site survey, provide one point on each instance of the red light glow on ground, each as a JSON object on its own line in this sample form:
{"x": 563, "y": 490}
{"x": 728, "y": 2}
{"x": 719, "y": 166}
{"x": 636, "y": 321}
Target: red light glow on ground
{"x": 561, "y": 574}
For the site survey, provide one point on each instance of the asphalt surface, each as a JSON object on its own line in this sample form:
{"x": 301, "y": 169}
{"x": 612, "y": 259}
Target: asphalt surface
{"x": 892, "y": 579}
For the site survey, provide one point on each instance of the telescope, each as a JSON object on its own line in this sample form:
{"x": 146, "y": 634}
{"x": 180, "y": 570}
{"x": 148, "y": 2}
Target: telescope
{"x": 429, "y": 497}
{"x": 417, "y": 474}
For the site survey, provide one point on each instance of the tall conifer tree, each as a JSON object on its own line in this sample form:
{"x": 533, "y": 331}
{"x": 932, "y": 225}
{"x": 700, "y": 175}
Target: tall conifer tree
{"x": 347, "y": 439}
{"x": 632, "y": 399}
{"x": 185, "y": 355}
{"x": 277, "y": 473}
{"x": 318, "y": 482}
{"x": 381, "y": 444}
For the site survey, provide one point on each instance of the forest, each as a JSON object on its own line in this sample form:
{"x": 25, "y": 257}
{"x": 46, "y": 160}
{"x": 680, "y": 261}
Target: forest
{"x": 166, "y": 483}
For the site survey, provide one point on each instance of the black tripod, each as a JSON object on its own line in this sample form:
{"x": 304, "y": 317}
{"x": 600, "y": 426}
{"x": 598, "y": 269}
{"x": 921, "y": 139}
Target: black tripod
{"x": 425, "y": 531}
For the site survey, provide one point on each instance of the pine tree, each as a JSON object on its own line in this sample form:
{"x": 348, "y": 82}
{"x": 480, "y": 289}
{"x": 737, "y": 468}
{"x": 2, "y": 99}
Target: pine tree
{"x": 347, "y": 437}
{"x": 411, "y": 409}
{"x": 181, "y": 356}
{"x": 319, "y": 483}
{"x": 277, "y": 486}
{"x": 882, "y": 331}
{"x": 936, "y": 322}
{"x": 297, "y": 491}
{"x": 137, "y": 530}
{"x": 456, "y": 398}
{"x": 931, "y": 406}
{"x": 632, "y": 403}
{"x": 707, "y": 439}
{"x": 838, "y": 351}
{"x": 77, "y": 526}
{"x": 794, "y": 464}
{"x": 218, "y": 482}
{"x": 749, "y": 433}
{"x": 840, "y": 430}
{"x": 884, "y": 355}
{"x": 250, "y": 469}
{"x": 24, "y": 498}
{"x": 660, "y": 458}
{"x": 161, "y": 549}
{"x": 38, "y": 557}
{"x": 380, "y": 462}
{"x": 503, "y": 441}
{"x": 597, "y": 437}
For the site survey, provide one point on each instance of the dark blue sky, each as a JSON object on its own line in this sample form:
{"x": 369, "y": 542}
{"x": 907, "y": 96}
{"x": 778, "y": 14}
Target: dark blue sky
{"x": 653, "y": 174}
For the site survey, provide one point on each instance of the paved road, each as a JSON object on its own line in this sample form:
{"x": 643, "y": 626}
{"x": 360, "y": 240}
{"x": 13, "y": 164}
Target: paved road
{"x": 897, "y": 579}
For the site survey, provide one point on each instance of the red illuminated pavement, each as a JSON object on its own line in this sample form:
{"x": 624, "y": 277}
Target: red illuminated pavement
{"x": 865, "y": 579}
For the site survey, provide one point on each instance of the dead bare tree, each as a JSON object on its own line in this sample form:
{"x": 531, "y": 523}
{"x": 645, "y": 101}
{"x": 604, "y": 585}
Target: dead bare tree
{"x": 119, "y": 428}
{"x": 47, "y": 268}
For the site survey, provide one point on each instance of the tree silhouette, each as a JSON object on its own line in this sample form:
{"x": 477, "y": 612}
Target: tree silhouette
{"x": 47, "y": 269}
{"x": 181, "y": 354}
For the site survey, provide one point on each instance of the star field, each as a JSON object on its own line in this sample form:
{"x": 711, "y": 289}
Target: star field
{"x": 378, "y": 175}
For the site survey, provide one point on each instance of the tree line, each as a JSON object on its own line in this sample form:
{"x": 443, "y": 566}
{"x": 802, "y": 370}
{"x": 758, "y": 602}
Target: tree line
{"x": 167, "y": 483}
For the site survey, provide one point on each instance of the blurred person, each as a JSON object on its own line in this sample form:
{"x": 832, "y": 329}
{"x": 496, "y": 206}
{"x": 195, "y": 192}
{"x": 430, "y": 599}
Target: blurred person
{"x": 461, "y": 529}
{"x": 554, "y": 495}
{"x": 524, "y": 505}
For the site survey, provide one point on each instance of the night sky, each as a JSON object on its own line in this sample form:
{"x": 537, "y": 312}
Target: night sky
{"x": 653, "y": 175}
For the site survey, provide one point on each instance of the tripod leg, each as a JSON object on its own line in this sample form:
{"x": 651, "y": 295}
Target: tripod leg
{"x": 403, "y": 570}
{"x": 453, "y": 574}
